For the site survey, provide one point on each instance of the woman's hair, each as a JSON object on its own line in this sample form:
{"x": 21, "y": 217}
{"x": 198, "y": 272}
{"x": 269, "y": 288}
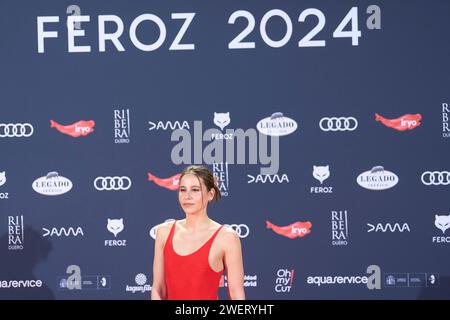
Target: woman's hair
{"x": 202, "y": 172}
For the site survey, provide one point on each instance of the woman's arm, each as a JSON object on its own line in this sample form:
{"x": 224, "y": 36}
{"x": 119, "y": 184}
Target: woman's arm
{"x": 234, "y": 265}
{"x": 159, "y": 284}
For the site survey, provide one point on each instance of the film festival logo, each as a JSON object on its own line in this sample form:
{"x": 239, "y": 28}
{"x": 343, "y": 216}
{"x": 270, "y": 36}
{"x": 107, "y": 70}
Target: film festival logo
{"x": 232, "y": 146}
{"x": 15, "y": 233}
{"x": 3, "y": 195}
{"x": 75, "y": 281}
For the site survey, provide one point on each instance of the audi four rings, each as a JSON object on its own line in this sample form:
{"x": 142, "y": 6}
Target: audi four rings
{"x": 338, "y": 123}
{"x": 112, "y": 183}
{"x": 435, "y": 178}
{"x": 18, "y": 130}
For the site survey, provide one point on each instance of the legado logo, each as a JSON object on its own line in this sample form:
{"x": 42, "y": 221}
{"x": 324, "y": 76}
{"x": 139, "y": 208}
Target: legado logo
{"x": 294, "y": 230}
{"x": 77, "y": 129}
{"x": 52, "y": 184}
{"x": 377, "y": 179}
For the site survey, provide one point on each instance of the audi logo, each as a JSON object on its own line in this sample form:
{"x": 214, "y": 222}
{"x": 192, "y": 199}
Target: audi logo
{"x": 338, "y": 124}
{"x": 18, "y": 130}
{"x": 242, "y": 230}
{"x": 112, "y": 183}
{"x": 435, "y": 178}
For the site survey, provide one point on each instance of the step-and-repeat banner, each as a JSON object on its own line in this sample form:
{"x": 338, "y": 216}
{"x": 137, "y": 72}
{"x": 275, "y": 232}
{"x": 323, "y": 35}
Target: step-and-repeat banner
{"x": 326, "y": 124}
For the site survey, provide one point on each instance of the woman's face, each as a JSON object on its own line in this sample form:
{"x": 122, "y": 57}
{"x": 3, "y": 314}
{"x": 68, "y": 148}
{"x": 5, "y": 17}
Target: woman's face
{"x": 192, "y": 194}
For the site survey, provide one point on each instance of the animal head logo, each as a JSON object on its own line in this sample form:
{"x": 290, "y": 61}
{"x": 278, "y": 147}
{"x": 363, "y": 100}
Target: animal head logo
{"x": 115, "y": 226}
{"x": 321, "y": 173}
{"x": 221, "y": 119}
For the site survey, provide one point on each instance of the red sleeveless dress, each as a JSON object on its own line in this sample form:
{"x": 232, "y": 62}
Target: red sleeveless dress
{"x": 190, "y": 277}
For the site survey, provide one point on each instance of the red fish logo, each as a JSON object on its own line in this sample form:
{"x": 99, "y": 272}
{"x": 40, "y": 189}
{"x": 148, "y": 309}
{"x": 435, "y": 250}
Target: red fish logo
{"x": 77, "y": 129}
{"x": 292, "y": 231}
{"x": 403, "y": 123}
{"x": 171, "y": 183}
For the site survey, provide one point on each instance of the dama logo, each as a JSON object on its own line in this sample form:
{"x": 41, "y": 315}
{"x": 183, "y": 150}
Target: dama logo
{"x": 268, "y": 178}
{"x": 403, "y": 123}
{"x": 172, "y": 183}
{"x": 77, "y": 129}
{"x": 294, "y": 230}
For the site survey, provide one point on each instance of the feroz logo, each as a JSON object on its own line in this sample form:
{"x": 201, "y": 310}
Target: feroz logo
{"x": 112, "y": 183}
{"x": 52, "y": 184}
{"x": 294, "y": 230}
{"x": 77, "y": 129}
{"x": 338, "y": 124}
{"x": 377, "y": 179}
{"x": 403, "y": 123}
{"x": 435, "y": 178}
{"x": 276, "y": 125}
{"x": 16, "y": 130}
